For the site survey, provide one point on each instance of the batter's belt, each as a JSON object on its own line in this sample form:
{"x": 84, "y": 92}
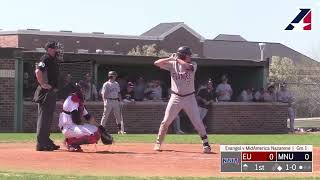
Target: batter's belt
{"x": 115, "y": 99}
{"x": 182, "y": 95}
{"x": 66, "y": 112}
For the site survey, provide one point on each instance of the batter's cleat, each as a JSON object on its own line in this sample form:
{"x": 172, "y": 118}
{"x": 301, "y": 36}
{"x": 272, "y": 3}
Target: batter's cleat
{"x": 206, "y": 149}
{"x": 157, "y": 147}
{"x": 122, "y": 132}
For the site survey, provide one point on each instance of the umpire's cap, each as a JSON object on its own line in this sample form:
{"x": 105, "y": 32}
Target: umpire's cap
{"x": 51, "y": 44}
{"x": 112, "y": 73}
{"x": 183, "y": 51}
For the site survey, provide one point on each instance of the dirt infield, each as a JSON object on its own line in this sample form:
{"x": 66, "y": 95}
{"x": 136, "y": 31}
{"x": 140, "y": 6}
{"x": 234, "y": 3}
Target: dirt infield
{"x": 136, "y": 159}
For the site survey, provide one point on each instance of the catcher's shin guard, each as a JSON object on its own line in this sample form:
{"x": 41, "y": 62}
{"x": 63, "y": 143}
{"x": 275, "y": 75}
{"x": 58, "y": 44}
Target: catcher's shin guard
{"x": 84, "y": 139}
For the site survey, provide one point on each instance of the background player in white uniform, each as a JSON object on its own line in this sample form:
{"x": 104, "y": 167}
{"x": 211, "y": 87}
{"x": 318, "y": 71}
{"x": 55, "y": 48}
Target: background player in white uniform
{"x": 75, "y": 130}
{"x": 286, "y": 96}
{"x": 182, "y": 71}
{"x": 111, "y": 97}
{"x": 224, "y": 90}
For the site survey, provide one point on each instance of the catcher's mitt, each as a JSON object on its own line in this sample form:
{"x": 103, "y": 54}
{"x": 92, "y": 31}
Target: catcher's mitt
{"x": 106, "y": 138}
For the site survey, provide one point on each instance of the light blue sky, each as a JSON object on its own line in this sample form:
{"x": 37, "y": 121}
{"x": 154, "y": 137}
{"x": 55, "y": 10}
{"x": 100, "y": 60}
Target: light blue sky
{"x": 254, "y": 20}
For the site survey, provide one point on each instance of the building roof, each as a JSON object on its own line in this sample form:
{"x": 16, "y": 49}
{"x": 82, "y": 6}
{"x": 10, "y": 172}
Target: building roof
{"x": 229, "y": 37}
{"x": 158, "y": 32}
{"x": 222, "y": 49}
{"x": 224, "y": 46}
{"x": 164, "y": 29}
{"x": 160, "y": 29}
{"x": 76, "y": 34}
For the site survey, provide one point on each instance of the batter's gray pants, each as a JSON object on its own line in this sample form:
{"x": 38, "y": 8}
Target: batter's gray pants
{"x": 175, "y": 105}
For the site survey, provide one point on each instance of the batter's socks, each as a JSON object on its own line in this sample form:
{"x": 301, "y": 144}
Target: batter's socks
{"x": 205, "y": 141}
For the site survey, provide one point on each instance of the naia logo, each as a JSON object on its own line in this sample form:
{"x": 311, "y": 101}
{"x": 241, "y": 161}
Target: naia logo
{"x": 302, "y": 22}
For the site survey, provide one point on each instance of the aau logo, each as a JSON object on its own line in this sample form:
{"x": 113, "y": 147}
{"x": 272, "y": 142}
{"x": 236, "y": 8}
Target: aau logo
{"x": 302, "y": 22}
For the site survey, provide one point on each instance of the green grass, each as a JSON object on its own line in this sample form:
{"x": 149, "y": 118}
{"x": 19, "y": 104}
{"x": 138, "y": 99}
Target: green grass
{"x": 26, "y": 176}
{"x": 312, "y": 139}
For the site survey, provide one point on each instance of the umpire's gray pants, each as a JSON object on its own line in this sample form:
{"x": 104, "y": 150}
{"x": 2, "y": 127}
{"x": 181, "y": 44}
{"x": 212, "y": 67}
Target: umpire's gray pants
{"x": 46, "y": 111}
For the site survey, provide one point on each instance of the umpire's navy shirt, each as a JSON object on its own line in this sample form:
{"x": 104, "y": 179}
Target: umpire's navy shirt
{"x": 49, "y": 64}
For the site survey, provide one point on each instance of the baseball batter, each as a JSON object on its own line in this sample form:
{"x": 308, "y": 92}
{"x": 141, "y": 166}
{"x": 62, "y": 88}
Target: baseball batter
{"x": 182, "y": 71}
{"x": 111, "y": 98}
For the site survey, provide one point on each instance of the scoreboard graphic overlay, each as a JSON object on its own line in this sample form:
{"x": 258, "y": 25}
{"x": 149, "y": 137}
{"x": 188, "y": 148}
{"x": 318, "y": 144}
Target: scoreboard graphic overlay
{"x": 266, "y": 158}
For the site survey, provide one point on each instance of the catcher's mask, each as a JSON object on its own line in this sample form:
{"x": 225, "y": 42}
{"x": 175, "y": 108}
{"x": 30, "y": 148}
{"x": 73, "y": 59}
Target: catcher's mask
{"x": 77, "y": 89}
{"x": 210, "y": 82}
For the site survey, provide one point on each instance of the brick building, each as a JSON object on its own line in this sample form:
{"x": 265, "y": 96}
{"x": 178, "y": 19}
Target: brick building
{"x": 167, "y": 36}
{"x": 230, "y": 54}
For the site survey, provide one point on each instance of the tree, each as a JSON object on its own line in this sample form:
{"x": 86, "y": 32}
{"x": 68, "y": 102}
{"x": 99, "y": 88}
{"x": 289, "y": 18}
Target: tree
{"x": 135, "y": 51}
{"x": 163, "y": 53}
{"x": 148, "y": 50}
{"x": 303, "y": 82}
{"x": 282, "y": 70}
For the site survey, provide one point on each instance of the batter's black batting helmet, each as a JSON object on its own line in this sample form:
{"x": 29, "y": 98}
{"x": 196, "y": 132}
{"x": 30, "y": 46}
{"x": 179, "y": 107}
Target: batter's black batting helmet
{"x": 112, "y": 73}
{"x": 183, "y": 51}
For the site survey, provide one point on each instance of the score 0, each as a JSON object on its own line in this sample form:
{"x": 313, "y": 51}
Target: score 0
{"x": 258, "y": 156}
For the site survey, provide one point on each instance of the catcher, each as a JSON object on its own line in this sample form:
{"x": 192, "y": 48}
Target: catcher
{"x": 77, "y": 125}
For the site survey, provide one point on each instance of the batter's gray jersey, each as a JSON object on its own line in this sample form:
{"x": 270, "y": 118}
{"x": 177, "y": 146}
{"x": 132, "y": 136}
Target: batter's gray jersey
{"x": 182, "y": 80}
